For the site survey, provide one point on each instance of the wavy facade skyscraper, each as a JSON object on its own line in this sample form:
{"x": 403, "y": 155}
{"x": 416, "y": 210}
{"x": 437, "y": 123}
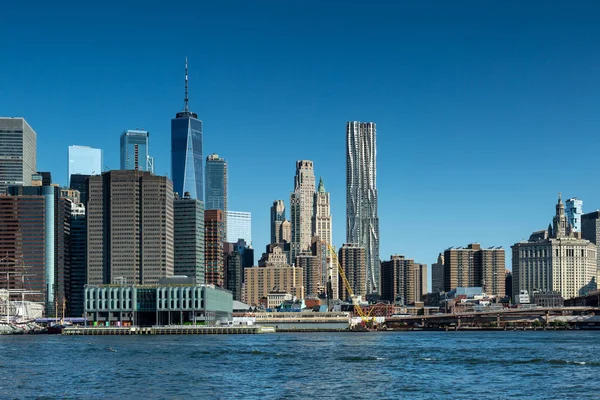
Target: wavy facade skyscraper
{"x": 362, "y": 220}
{"x": 186, "y": 151}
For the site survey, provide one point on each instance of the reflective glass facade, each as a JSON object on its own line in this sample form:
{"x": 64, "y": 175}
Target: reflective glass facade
{"x": 239, "y": 226}
{"x": 216, "y": 183}
{"x": 186, "y": 155}
{"x": 134, "y": 151}
{"x": 84, "y": 160}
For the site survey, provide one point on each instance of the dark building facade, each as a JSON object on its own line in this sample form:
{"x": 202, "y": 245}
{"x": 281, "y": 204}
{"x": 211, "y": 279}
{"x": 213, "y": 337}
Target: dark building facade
{"x": 189, "y": 238}
{"x": 57, "y": 245}
{"x": 79, "y": 182}
{"x": 23, "y": 240}
{"x": 78, "y": 264}
{"x": 233, "y": 270}
{"x": 590, "y": 230}
{"x": 214, "y": 238}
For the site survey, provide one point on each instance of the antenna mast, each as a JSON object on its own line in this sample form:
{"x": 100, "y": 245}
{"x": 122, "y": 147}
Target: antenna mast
{"x": 186, "y": 85}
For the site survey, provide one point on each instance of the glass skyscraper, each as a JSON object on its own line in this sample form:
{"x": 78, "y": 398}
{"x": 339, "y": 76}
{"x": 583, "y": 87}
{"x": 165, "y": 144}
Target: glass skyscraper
{"x": 186, "y": 151}
{"x": 239, "y": 226}
{"x": 84, "y": 160}
{"x": 134, "y": 151}
{"x": 216, "y": 183}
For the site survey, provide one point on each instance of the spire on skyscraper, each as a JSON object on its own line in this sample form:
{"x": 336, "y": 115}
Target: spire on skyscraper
{"x": 185, "y": 109}
{"x": 321, "y": 186}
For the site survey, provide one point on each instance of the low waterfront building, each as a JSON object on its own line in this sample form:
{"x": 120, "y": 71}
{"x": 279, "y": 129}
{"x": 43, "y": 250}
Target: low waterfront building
{"x": 161, "y": 304}
{"x": 547, "y": 298}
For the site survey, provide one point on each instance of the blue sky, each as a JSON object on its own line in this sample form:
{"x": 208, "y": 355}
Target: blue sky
{"x": 484, "y": 110}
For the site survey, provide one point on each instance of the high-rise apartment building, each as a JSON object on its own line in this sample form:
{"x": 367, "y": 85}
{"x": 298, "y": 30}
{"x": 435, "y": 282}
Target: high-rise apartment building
{"x": 84, "y": 160}
{"x": 302, "y": 207}
{"x": 239, "y": 226}
{"x": 216, "y": 183}
{"x": 403, "y": 280}
{"x": 259, "y": 281}
{"x": 437, "y": 275}
{"x": 189, "y": 238}
{"x": 130, "y": 228}
{"x": 186, "y": 151}
{"x": 362, "y": 221}
{"x": 353, "y": 260}
{"x": 322, "y": 229}
{"x": 473, "y": 266}
{"x": 135, "y": 145}
{"x": 17, "y": 153}
{"x": 573, "y": 212}
{"x": 312, "y": 267}
{"x": 214, "y": 238}
{"x": 277, "y": 218}
{"x": 556, "y": 260}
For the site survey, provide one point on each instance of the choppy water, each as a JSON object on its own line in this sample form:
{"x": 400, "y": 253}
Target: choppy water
{"x": 413, "y": 365}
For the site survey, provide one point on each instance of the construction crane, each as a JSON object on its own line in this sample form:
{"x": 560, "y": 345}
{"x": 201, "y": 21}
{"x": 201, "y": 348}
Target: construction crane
{"x": 366, "y": 318}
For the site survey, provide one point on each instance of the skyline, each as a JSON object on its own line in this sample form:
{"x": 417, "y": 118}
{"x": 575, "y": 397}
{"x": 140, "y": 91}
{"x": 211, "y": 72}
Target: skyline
{"x": 441, "y": 104}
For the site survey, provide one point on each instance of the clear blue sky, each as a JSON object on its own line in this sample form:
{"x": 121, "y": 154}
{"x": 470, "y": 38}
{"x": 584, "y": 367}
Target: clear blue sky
{"x": 484, "y": 110}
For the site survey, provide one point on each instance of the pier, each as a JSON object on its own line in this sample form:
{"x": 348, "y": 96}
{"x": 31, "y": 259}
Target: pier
{"x": 165, "y": 330}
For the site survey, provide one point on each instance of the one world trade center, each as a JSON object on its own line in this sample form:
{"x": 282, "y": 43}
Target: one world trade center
{"x": 186, "y": 151}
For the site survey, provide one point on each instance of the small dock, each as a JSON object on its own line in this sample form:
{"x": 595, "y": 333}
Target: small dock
{"x": 165, "y": 330}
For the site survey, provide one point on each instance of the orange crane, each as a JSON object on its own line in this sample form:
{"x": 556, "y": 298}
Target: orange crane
{"x": 367, "y": 319}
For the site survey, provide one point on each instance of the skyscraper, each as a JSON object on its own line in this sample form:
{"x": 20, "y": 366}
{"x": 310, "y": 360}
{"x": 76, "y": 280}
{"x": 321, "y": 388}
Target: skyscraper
{"x": 302, "y": 207}
{"x": 17, "y": 153}
{"x": 134, "y": 151}
{"x": 216, "y": 183}
{"x": 186, "y": 151}
{"x": 84, "y": 160}
{"x": 322, "y": 229}
{"x": 277, "y": 218}
{"x": 362, "y": 221}
{"x": 23, "y": 233}
{"x": 239, "y": 226}
{"x": 129, "y": 228}
{"x": 78, "y": 276}
{"x": 57, "y": 215}
{"x": 573, "y": 212}
{"x": 189, "y": 238}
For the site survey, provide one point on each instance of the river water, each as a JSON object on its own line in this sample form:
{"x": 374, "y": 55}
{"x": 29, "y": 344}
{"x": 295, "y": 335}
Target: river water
{"x": 411, "y": 365}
